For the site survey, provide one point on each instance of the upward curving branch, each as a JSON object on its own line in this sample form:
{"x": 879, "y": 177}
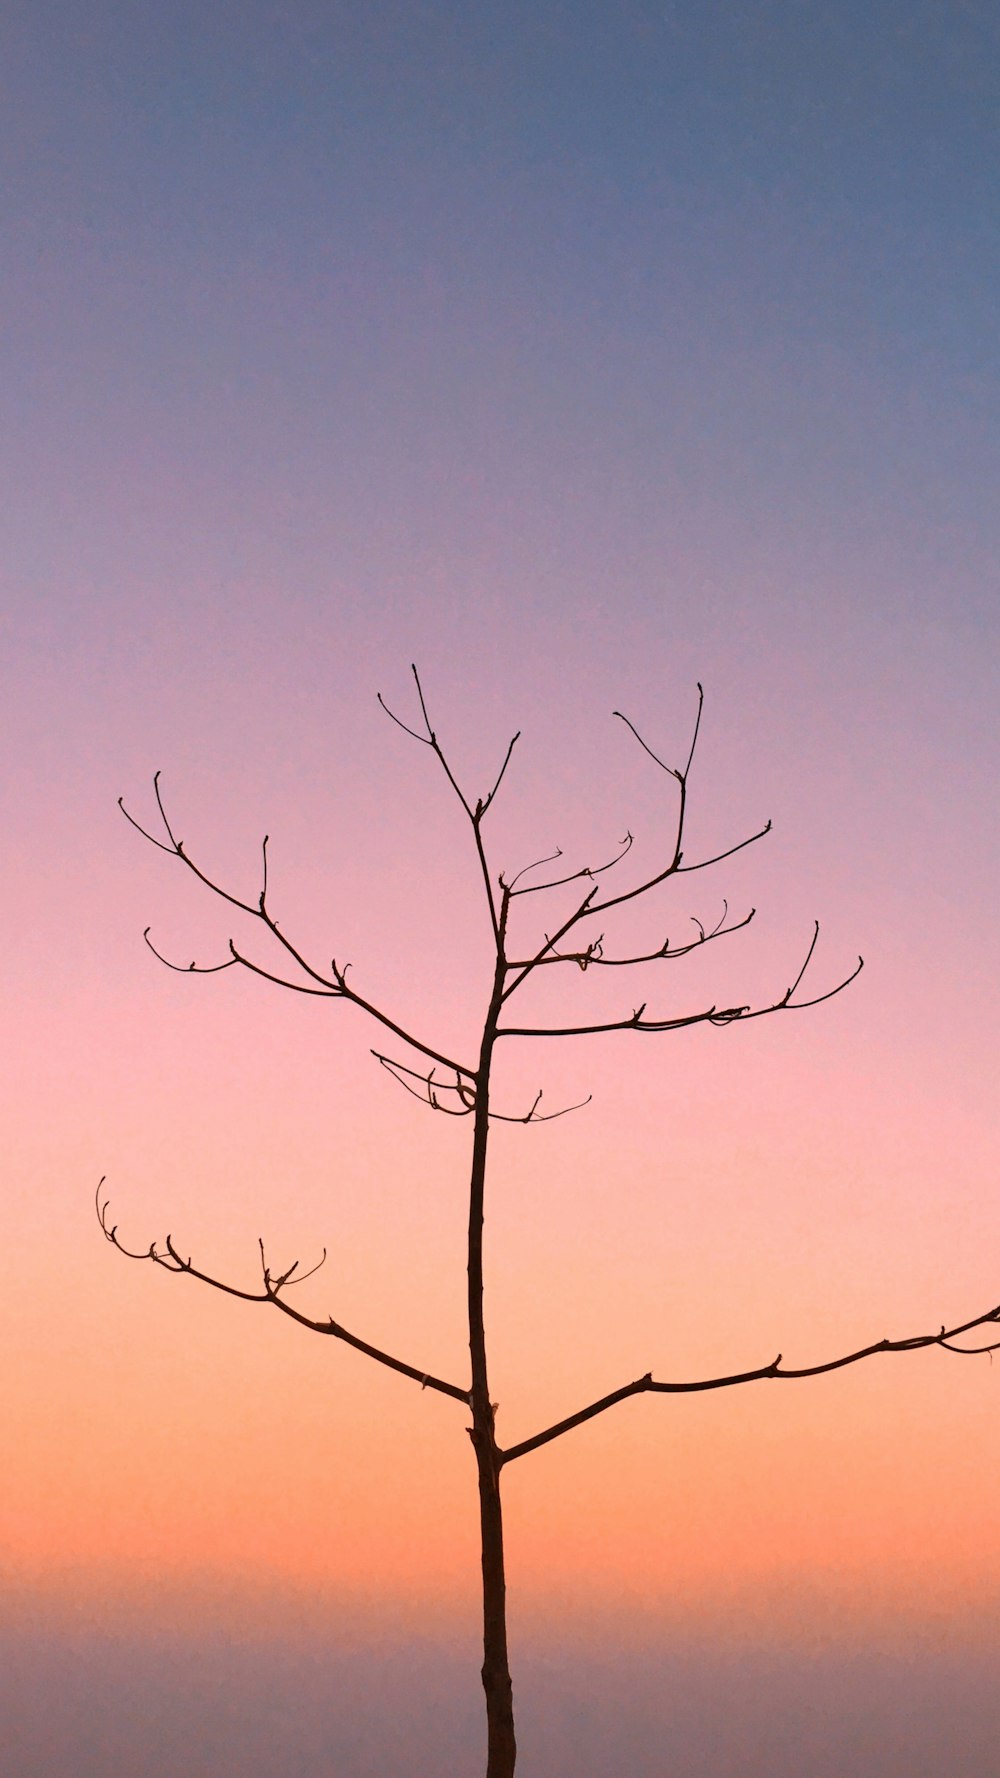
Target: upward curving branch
{"x": 586, "y": 870}
{"x": 647, "y": 1385}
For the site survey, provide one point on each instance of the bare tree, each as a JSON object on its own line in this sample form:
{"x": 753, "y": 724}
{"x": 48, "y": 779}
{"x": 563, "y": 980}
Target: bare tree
{"x": 458, "y": 1087}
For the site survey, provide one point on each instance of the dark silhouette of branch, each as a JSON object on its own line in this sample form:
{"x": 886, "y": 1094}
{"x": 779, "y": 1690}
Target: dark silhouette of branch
{"x": 171, "y": 1260}
{"x": 475, "y": 812}
{"x": 486, "y": 801}
{"x": 331, "y": 987}
{"x": 591, "y": 906}
{"x": 534, "y": 1116}
{"x": 430, "y": 1090}
{"x": 703, "y": 863}
{"x": 587, "y": 870}
{"x": 675, "y": 867}
{"x": 712, "y": 1015}
{"x": 214, "y": 968}
{"x": 647, "y": 1385}
{"x": 525, "y": 969}
{"x": 594, "y": 951}
{"x": 550, "y": 858}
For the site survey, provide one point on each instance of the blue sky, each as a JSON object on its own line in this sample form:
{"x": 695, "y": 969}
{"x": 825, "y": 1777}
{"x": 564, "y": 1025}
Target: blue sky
{"x": 738, "y": 260}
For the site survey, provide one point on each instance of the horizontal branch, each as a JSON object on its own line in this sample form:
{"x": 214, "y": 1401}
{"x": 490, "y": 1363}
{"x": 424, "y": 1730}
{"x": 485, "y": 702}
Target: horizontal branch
{"x": 172, "y": 1261}
{"x": 593, "y": 953}
{"x": 647, "y": 1385}
{"x": 711, "y": 1015}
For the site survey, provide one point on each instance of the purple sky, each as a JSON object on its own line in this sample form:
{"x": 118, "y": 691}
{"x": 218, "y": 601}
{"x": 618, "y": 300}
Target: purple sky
{"x": 578, "y": 352}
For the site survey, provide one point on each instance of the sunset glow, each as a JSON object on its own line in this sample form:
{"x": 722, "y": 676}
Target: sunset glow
{"x": 580, "y": 355}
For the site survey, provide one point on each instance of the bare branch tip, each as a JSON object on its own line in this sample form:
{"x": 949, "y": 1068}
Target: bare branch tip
{"x": 407, "y": 730}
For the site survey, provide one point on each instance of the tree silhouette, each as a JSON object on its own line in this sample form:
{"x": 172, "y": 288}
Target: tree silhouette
{"x": 462, "y": 1088}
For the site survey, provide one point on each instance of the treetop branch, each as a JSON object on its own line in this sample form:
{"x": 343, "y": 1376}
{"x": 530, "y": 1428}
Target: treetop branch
{"x": 474, "y": 813}
{"x": 674, "y": 867}
{"x": 170, "y": 1259}
{"x": 675, "y": 772}
{"x": 483, "y": 805}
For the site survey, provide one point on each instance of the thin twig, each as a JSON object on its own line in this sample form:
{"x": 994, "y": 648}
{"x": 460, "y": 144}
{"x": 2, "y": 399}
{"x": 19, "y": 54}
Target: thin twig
{"x": 432, "y": 1089}
{"x": 587, "y": 870}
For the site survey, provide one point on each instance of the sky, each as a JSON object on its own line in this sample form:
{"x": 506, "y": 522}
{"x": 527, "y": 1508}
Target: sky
{"x": 579, "y": 354}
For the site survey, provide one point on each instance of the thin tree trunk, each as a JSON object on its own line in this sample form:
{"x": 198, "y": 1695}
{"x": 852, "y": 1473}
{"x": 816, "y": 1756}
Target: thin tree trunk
{"x": 502, "y": 1748}
{"x": 501, "y": 1745}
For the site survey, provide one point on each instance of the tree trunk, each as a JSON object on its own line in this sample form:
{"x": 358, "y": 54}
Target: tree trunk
{"x": 502, "y": 1748}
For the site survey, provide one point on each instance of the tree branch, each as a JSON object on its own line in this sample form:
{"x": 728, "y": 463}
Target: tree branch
{"x": 589, "y": 906}
{"x": 332, "y": 987}
{"x": 681, "y": 774}
{"x": 475, "y": 814}
{"x": 171, "y": 1260}
{"x": 646, "y": 1385}
{"x": 525, "y": 969}
{"x": 587, "y": 870}
{"x": 594, "y": 951}
{"x": 712, "y": 1015}
{"x": 430, "y": 1092}
{"x": 430, "y": 1089}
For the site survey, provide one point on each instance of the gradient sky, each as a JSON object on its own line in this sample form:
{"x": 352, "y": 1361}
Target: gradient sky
{"x": 579, "y": 353}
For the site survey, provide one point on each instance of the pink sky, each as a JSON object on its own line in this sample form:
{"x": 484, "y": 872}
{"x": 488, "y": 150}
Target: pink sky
{"x": 577, "y": 368}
